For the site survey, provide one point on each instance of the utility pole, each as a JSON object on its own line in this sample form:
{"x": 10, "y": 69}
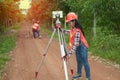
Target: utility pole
{"x": 65, "y": 23}
{"x": 94, "y": 28}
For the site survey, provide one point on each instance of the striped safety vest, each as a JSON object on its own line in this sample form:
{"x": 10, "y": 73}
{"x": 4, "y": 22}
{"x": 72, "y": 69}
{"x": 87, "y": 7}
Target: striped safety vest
{"x": 72, "y": 36}
{"x": 35, "y": 26}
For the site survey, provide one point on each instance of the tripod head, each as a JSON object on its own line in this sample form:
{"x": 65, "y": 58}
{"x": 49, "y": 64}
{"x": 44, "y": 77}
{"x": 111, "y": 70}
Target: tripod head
{"x": 58, "y": 23}
{"x": 57, "y": 15}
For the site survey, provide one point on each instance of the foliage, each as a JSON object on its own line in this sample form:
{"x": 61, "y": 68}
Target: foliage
{"x": 42, "y": 10}
{"x": 9, "y": 13}
{"x": 106, "y": 45}
{"x": 108, "y": 12}
{"x": 7, "y": 43}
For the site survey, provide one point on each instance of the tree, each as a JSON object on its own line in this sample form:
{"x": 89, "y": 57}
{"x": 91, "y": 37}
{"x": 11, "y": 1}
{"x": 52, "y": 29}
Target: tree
{"x": 107, "y": 12}
{"x": 42, "y": 10}
{"x": 10, "y": 9}
{"x": 9, "y": 13}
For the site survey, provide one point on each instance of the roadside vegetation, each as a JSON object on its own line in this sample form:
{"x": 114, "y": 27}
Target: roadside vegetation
{"x": 10, "y": 18}
{"x": 7, "y": 44}
{"x": 106, "y": 45}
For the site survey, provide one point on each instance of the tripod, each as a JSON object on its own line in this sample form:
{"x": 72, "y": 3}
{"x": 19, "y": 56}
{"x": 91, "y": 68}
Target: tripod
{"x": 62, "y": 48}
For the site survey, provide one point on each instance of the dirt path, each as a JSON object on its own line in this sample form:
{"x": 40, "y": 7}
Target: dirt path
{"x": 29, "y": 51}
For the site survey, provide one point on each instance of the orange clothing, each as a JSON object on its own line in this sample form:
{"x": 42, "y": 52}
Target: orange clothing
{"x": 35, "y": 26}
{"x": 72, "y": 36}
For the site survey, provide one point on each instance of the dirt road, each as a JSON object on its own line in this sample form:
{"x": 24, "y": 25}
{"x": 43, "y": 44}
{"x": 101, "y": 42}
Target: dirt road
{"x": 29, "y": 51}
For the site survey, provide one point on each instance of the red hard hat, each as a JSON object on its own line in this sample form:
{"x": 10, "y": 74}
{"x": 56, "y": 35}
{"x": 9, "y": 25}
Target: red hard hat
{"x": 71, "y": 16}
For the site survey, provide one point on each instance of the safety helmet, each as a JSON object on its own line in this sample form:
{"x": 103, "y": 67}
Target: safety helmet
{"x": 71, "y": 16}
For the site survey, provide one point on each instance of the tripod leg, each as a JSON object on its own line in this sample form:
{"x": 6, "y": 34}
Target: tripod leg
{"x": 63, "y": 54}
{"x": 66, "y": 51}
{"x": 45, "y": 53}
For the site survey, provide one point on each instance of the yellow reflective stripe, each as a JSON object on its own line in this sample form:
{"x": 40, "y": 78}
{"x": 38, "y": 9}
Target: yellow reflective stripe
{"x": 70, "y": 35}
{"x": 70, "y": 44}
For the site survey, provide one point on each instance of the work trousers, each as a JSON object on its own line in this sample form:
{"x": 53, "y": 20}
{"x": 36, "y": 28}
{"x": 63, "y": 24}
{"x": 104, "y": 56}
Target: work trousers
{"x": 82, "y": 60}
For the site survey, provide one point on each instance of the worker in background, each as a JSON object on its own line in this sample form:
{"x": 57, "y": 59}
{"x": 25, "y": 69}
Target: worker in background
{"x": 36, "y": 29}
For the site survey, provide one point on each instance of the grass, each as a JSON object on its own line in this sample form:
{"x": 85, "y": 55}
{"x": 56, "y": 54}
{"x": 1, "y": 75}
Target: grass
{"x": 7, "y": 43}
{"x": 49, "y": 31}
{"x": 106, "y": 45}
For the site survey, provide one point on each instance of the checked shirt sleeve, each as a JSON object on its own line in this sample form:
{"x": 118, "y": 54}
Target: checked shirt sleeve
{"x": 76, "y": 42}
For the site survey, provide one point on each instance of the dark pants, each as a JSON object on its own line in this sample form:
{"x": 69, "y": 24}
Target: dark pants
{"x": 35, "y": 33}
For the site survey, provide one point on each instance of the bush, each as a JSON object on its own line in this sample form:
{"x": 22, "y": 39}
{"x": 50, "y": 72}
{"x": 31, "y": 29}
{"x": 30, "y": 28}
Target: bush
{"x": 106, "y": 45}
{"x": 7, "y": 43}
{"x": 1, "y": 30}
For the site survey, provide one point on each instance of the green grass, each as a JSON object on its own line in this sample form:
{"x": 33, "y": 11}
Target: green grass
{"x": 49, "y": 31}
{"x": 7, "y": 43}
{"x": 106, "y": 45}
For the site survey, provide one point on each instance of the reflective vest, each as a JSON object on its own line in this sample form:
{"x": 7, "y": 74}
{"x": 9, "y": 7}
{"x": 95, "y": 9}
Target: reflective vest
{"x": 35, "y": 26}
{"x": 72, "y": 36}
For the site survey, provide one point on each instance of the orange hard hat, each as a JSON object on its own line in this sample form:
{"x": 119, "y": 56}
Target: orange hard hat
{"x": 71, "y": 16}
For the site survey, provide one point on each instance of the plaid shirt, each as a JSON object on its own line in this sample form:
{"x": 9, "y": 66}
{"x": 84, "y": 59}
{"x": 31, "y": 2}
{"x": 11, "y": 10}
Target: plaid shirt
{"x": 76, "y": 42}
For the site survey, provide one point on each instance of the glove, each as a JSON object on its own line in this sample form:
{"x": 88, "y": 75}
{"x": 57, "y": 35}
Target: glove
{"x": 69, "y": 55}
{"x": 65, "y": 57}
